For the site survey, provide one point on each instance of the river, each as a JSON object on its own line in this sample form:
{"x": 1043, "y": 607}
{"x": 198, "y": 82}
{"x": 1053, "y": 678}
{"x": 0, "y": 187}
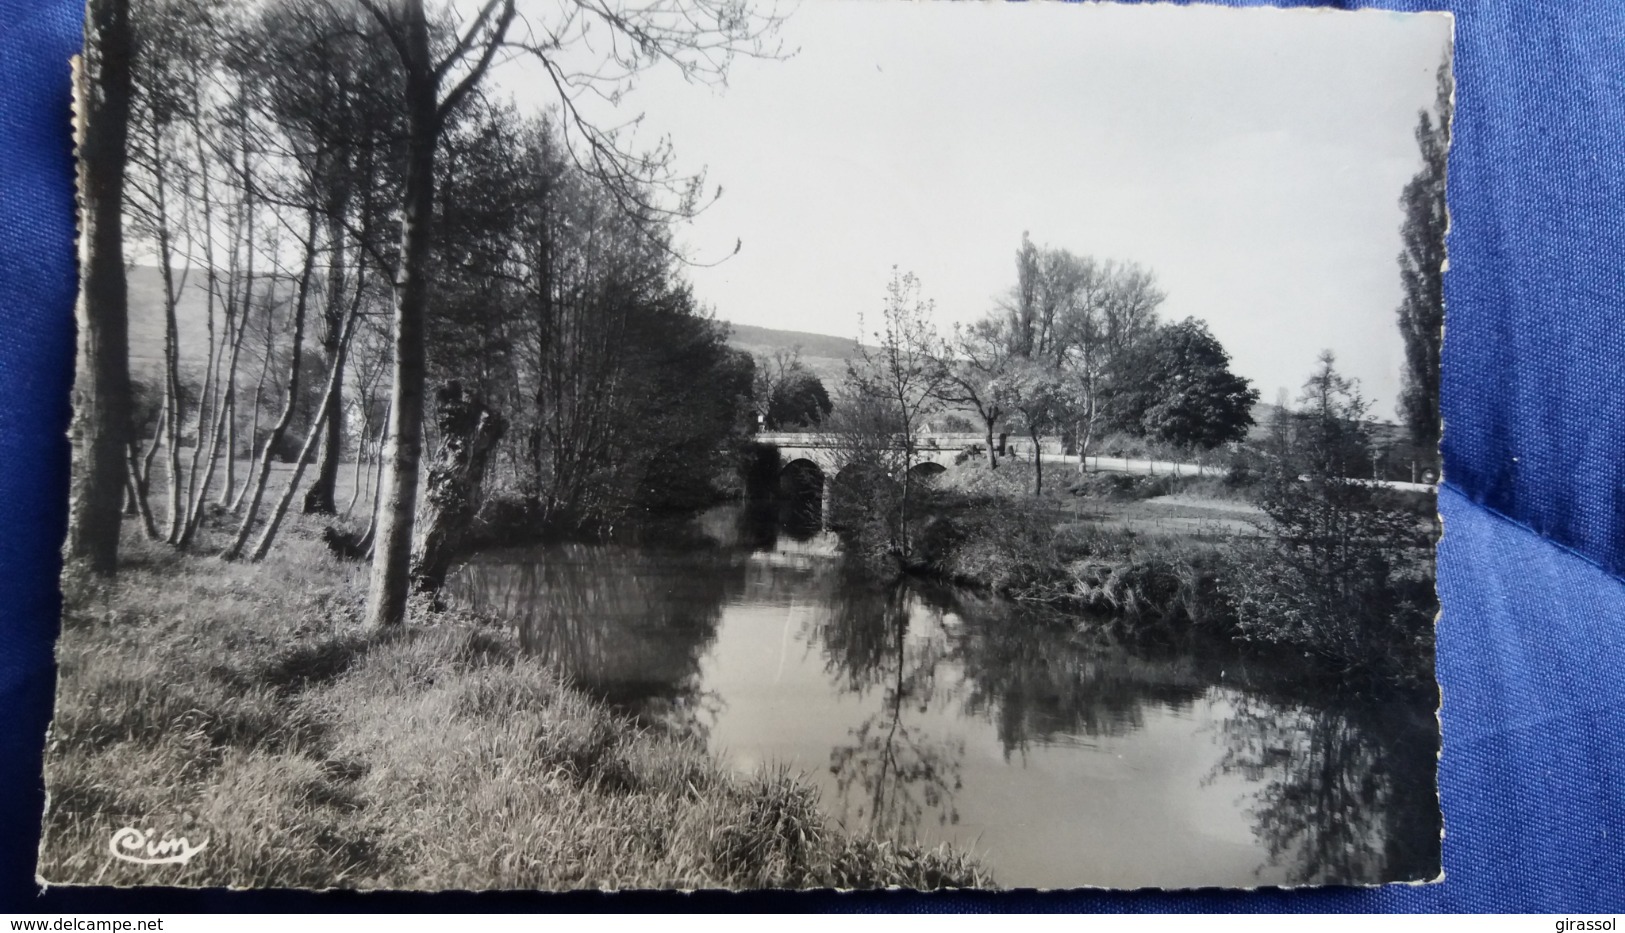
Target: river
{"x": 930, "y": 713}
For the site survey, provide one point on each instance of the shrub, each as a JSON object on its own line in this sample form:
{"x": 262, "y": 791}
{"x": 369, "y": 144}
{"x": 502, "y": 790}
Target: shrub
{"x": 1346, "y": 574}
{"x": 1127, "y": 487}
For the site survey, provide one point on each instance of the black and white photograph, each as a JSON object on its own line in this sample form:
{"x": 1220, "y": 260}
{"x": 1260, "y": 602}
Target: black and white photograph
{"x": 709, "y": 444}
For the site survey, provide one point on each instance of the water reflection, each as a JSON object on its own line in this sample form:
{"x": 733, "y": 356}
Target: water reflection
{"x": 892, "y": 772}
{"x": 629, "y": 625}
{"x": 1040, "y": 686}
{"x": 925, "y": 712}
{"x": 1345, "y": 792}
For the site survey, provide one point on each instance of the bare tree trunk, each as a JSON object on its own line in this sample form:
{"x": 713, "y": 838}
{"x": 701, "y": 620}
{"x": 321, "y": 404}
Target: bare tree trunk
{"x": 319, "y": 498}
{"x": 1038, "y": 466}
{"x": 425, "y": 111}
{"x": 469, "y": 431}
{"x": 223, "y": 431}
{"x": 392, "y": 551}
{"x": 301, "y": 302}
{"x": 138, "y": 495}
{"x": 902, "y": 516}
{"x": 1086, "y": 430}
{"x": 142, "y": 468}
{"x": 206, "y": 406}
{"x": 230, "y": 406}
{"x": 327, "y": 412}
{"x": 130, "y": 510}
{"x": 253, "y": 434}
{"x": 172, "y": 388}
{"x": 101, "y": 423}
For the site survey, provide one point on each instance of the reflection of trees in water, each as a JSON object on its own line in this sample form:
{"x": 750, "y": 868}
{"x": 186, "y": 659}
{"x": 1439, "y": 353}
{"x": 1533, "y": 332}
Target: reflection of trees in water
{"x": 1034, "y": 681}
{"x": 1038, "y": 685}
{"x": 1342, "y": 793}
{"x": 758, "y": 525}
{"x": 800, "y": 519}
{"x": 627, "y": 625}
{"x": 923, "y": 647}
{"x": 1346, "y": 791}
{"x": 892, "y": 772}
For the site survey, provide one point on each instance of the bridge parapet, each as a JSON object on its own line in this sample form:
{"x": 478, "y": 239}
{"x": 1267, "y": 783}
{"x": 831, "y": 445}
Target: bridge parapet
{"x": 815, "y": 440}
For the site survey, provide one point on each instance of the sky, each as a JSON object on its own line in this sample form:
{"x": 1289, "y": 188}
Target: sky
{"x": 1253, "y": 159}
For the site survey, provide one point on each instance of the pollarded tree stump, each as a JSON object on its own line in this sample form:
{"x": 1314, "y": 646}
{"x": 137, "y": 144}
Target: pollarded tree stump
{"x": 469, "y": 431}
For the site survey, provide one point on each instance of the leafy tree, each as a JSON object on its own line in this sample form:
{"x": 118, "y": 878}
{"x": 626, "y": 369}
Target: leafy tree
{"x": 1081, "y": 316}
{"x": 1040, "y": 396}
{"x": 787, "y": 393}
{"x": 802, "y": 402}
{"x": 1421, "y": 266}
{"x": 699, "y": 37}
{"x": 979, "y": 358}
{"x": 1182, "y": 391}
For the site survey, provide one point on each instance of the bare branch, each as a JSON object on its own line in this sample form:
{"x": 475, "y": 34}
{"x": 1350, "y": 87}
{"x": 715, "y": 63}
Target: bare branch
{"x": 494, "y": 42}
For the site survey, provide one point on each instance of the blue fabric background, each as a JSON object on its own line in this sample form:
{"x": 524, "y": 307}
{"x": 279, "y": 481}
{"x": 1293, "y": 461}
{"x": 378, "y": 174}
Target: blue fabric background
{"x": 1533, "y": 770}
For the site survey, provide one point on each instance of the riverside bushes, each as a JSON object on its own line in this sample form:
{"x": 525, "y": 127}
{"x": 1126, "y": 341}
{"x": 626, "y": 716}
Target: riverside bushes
{"x": 221, "y": 702}
{"x": 1029, "y": 549}
{"x": 1346, "y": 576}
{"x": 1339, "y": 571}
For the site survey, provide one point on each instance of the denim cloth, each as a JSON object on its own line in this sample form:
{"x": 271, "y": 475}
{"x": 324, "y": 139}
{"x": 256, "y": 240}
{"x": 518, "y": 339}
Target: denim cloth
{"x": 1530, "y": 638}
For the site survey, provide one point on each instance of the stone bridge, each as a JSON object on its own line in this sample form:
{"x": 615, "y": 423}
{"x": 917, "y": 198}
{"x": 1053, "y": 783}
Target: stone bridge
{"x": 807, "y": 462}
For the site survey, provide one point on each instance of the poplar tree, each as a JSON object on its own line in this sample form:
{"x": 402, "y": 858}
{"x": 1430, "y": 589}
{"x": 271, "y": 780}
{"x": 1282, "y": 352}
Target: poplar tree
{"x": 1421, "y": 266}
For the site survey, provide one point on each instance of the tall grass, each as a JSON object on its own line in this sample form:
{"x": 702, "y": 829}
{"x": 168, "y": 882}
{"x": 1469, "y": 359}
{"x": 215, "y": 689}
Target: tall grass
{"x": 243, "y": 705}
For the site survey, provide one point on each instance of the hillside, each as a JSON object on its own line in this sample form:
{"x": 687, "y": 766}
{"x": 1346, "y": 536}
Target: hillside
{"x": 816, "y": 346}
{"x": 146, "y": 287}
{"x": 824, "y": 355}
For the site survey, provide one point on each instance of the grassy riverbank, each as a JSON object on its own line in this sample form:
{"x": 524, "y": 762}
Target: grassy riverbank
{"x": 1164, "y": 557}
{"x": 1093, "y": 544}
{"x": 242, "y": 704}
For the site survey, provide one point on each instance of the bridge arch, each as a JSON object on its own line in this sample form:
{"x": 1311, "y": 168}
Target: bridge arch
{"x": 802, "y": 476}
{"x": 927, "y": 469}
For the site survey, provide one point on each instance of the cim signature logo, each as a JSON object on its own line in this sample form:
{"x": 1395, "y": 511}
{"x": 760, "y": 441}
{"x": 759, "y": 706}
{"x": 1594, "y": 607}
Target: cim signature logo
{"x": 145, "y": 847}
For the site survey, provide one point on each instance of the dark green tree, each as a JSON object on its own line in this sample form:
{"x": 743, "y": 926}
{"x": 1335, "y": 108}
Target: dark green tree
{"x": 1178, "y": 389}
{"x": 802, "y": 402}
{"x": 787, "y": 393}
